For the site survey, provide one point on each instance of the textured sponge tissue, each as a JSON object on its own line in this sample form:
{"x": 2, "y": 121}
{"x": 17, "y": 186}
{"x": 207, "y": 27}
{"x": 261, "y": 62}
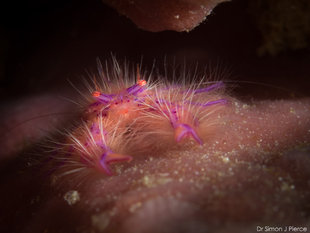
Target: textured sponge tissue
{"x": 155, "y": 16}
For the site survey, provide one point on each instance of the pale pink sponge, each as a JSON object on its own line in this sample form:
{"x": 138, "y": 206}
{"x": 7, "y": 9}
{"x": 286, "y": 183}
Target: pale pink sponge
{"x": 126, "y": 117}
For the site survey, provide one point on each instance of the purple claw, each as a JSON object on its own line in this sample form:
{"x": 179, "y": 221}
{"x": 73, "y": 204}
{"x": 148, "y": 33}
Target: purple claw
{"x": 182, "y": 130}
{"x": 210, "y": 88}
{"x": 110, "y": 157}
{"x": 220, "y": 101}
{"x": 104, "y": 165}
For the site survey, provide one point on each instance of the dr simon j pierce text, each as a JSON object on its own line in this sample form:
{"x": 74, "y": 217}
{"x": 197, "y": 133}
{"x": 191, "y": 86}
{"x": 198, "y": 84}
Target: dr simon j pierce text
{"x": 281, "y": 229}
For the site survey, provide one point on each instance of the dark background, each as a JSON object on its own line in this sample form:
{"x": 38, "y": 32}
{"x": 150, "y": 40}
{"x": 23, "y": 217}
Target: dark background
{"x": 45, "y": 42}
